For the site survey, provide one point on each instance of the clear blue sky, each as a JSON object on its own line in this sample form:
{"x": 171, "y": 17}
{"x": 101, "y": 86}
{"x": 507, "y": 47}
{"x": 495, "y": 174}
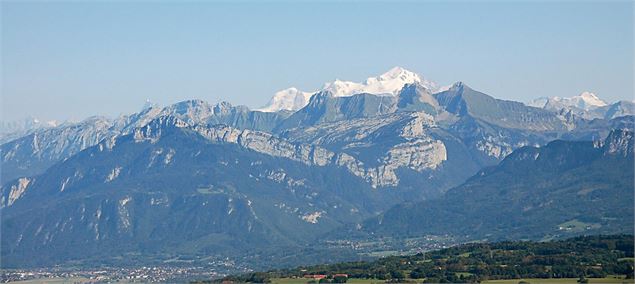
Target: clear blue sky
{"x": 72, "y": 60}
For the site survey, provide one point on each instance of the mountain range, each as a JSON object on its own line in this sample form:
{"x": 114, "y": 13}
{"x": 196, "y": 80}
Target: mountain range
{"x": 554, "y": 191}
{"x": 395, "y": 155}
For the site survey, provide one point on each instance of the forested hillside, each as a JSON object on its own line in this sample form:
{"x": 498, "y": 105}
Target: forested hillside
{"x": 589, "y": 256}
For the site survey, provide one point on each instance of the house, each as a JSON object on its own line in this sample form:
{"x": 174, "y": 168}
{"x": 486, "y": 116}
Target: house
{"x": 340, "y": 275}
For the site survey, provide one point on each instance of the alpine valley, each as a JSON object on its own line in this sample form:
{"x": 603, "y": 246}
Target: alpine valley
{"x": 353, "y": 170}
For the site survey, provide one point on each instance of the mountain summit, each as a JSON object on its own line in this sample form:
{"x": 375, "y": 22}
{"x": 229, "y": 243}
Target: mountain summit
{"x": 389, "y": 83}
{"x": 290, "y": 99}
{"x": 584, "y": 101}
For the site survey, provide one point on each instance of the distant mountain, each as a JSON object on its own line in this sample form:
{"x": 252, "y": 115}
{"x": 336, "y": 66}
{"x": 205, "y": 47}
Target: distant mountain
{"x": 487, "y": 128}
{"x": 226, "y": 180}
{"x": 618, "y": 109}
{"x": 290, "y": 99}
{"x": 37, "y": 151}
{"x": 586, "y": 106}
{"x": 493, "y": 128}
{"x": 10, "y": 130}
{"x": 561, "y": 189}
{"x": 171, "y": 188}
{"x": 585, "y": 101}
{"x": 389, "y": 83}
{"x": 327, "y": 107}
{"x": 463, "y": 101}
{"x": 33, "y": 153}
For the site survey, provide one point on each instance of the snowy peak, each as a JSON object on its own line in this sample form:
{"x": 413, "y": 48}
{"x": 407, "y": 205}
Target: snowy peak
{"x": 588, "y": 100}
{"x": 389, "y": 83}
{"x": 397, "y": 75}
{"x": 585, "y": 101}
{"x": 290, "y": 99}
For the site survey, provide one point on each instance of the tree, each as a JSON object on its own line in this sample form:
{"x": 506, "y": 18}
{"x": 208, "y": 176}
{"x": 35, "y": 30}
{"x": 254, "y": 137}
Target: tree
{"x": 397, "y": 274}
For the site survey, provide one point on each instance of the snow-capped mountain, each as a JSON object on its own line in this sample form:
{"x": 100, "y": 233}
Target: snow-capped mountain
{"x": 186, "y": 173}
{"x": 290, "y": 99}
{"x": 586, "y": 105}
{"x": 585, "y": 101}
{"x": 389, "y": 83}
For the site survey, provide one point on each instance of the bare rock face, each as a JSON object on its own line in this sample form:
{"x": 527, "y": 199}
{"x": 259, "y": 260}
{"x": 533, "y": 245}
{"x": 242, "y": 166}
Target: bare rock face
{"x": 418, "y": 155}
{"x": 418, "y": 152}
{"x": 619, "y": 142}
{"x": 39, "y": 150}
{"x": 413, "y": 147}
{"x": 34, "y": 152}
{"x": 417, "y": 125}
{"x": 16, "y": 190}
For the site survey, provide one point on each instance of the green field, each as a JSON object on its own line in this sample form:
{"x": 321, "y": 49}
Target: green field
{"x": 614, "y": 279}
{"x": 577, "y": 226}
{"x": 563, "y": 280}
{"x": 305, "y": 280}
{"x": 592, "y": 256}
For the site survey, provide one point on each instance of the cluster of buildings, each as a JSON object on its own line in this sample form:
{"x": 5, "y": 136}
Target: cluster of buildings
{"x": 396, "y": 246}
{"x": 141, "y": 274}
{"x": 322, "y": 276}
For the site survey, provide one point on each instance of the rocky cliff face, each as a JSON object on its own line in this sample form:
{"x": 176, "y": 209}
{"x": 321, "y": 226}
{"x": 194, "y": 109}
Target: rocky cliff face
{"x": 33, "y": 153}
{"x": 37, "y": 151}
{"x": 418, "y": 151}
{"x": 619, "y": 142}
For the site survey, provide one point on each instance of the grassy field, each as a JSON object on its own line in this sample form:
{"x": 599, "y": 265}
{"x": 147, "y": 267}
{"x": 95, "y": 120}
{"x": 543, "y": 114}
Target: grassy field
{"x": 510, "y": 281}
{"x": 562, "y": 280}
{"x": 578, "y": 226}
{"x": 304, "y": 281}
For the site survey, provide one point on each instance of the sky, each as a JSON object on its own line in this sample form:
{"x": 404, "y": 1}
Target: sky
{"x": 71, "y": 60}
